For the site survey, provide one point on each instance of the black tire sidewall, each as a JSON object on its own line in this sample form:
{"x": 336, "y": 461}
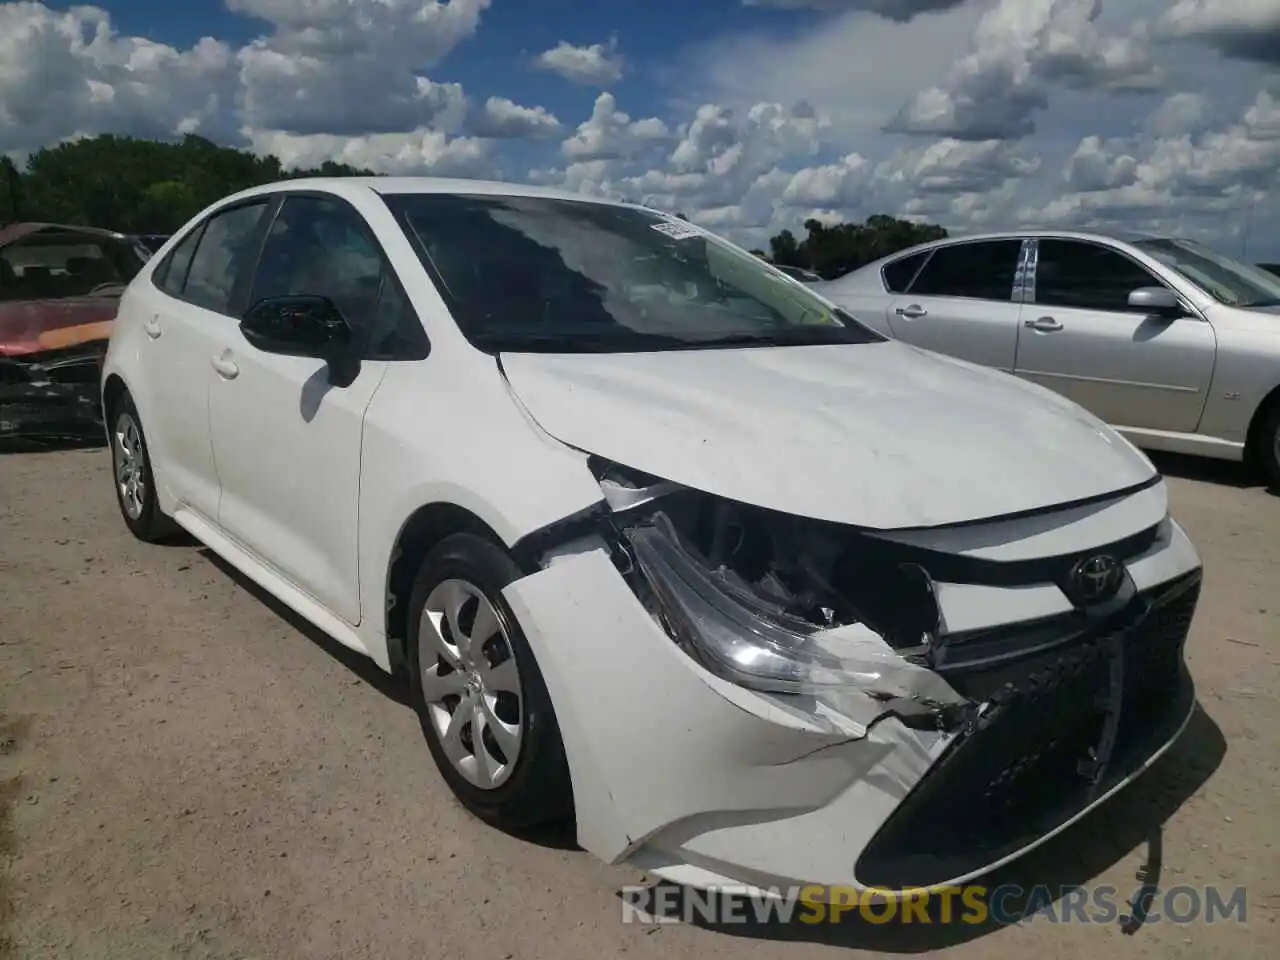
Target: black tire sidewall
{"x": 1267, "y": 447}
{"x": 538, "y": 790}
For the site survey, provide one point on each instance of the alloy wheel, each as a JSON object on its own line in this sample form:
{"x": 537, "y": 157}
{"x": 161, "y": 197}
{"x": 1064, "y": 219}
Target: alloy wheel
{"x": 130, "y": 464}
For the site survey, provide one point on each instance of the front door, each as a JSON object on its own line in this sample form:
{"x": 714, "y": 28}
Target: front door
{"x": 287, "y": 440}
{"x": 1080, "y": 337}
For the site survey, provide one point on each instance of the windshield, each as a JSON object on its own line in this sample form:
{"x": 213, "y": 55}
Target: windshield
{"x": 1227, "y": 281}
{"x": 550, "y": 275}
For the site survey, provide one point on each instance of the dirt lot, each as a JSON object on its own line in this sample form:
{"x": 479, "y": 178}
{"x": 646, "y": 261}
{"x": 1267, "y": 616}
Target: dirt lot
{"x": 190, "y": 772}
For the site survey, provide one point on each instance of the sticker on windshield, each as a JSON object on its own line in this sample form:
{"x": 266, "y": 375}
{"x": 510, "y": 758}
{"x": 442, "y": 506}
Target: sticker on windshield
{"x": 677, "y": 229}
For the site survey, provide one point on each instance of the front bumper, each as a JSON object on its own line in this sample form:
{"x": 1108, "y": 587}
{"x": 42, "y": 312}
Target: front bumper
{"x": 703, "y": 782}
{"x": 52, "y": 394}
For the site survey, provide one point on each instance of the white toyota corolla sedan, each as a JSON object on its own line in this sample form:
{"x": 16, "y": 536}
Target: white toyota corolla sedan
{"x": 662, "y": 540}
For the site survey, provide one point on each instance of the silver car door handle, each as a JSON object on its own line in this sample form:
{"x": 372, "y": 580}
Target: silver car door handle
{"x": 1047, "y": 324}
{"x": 226, "y": 367}
{"x": 152, "y": 327}
{"x": 911, "y": 311}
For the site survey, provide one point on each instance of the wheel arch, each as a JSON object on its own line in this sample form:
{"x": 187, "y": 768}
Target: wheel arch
{"x": 113, "y": 388}
{"x": 1254, "y": 435}
{"x": 421, "y": 530}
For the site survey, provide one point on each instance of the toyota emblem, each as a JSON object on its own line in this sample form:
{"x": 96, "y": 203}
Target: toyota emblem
{"x": 1096, "y": 578}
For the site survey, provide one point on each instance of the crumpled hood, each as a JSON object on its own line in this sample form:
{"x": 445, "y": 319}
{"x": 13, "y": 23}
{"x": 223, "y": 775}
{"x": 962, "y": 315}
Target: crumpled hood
{"x": 877, "y": 435}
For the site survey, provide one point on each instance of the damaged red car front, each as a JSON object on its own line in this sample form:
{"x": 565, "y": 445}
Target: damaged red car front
{"x": 60, "y": 287}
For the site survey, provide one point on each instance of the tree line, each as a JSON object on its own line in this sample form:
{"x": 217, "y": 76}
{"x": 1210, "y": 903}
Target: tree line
{"x": 144, "y": 186}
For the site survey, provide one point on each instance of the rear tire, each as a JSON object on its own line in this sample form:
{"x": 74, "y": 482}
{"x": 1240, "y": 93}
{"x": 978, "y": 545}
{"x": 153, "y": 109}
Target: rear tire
{"x": 1268, "y": 448}
{"x": 484, "y": 707}
{"x": 134, "y": 482}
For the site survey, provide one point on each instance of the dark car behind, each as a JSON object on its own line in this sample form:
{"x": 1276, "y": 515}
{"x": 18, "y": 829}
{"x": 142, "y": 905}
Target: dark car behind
{"x": 59, "y": 290}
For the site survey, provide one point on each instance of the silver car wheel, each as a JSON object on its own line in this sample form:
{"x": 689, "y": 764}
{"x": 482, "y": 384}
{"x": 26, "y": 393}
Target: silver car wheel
{"x": 471, "y": 683}
{"x": 130, "y": 464}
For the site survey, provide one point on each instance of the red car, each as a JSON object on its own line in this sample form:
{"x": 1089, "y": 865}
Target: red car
{"x": 59, "y": 289}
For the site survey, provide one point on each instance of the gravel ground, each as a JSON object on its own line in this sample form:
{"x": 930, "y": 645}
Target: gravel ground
{"x": 189, "y": 771}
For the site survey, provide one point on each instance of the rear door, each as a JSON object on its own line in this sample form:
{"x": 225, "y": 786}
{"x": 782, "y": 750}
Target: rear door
{"x": 963, "y": 301}
{"x": 188, "y": 318}
{"x": 1080, "y": 337}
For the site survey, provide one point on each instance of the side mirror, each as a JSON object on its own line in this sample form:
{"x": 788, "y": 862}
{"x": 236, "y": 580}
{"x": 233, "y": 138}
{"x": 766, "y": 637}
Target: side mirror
{"x": 304, "y": 326}
{"x": 1156, "y": 301}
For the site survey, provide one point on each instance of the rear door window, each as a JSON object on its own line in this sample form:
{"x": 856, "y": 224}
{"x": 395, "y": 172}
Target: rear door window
{"x": 982, "y": 270}
{"x": 225, "y": 251}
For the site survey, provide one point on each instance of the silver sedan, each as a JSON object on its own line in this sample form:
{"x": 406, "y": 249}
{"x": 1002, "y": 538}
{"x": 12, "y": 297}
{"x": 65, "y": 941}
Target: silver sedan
{"x": 1172, "y": 343}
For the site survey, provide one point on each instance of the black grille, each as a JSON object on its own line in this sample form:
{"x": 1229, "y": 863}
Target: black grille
{"x": 1060, "y": 729}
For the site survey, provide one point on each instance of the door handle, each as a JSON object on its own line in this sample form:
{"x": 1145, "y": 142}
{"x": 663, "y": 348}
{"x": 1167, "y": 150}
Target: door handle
{"x": 911, "y": 311}
{"x": 1045, "y": 324}
{"x": 152, "y": 327}
{"x": 225, "y": 367}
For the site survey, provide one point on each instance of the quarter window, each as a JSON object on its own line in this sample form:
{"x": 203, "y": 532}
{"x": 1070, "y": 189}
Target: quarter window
{"x": 1075, "y": 273}
{"x": 899, "y": 274}
{"x": 224, "y": 250}
{"x": 172, "y": 274}
{"x": 983, "y": 270}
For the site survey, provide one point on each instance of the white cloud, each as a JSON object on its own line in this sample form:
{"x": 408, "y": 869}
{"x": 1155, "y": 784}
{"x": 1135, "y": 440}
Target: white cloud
{"x": 609, "y": 133}
{"x": 339, "y": 75}
{"x": 63, "y": 72}
{"x": 1022, "y": 50}
{"x": 1186, "y": 181}
{"x": 350, "y": 66}
{"x": 597, "y": 65}
{"x": 903, "y": 10}
{"x": 853, "y": 67}
{"x": 1180, "y": 113}
{"x": 422, "y": 151}
{"x": 502, "y": 118}
{"x": 1247, "y": 29}
{"x": 1009, "y": 110}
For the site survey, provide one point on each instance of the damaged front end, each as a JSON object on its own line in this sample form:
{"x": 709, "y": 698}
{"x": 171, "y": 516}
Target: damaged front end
{"x": 52, "y": 395}
{"x": 966, "y": 738}
{"x": 779, "y": 605}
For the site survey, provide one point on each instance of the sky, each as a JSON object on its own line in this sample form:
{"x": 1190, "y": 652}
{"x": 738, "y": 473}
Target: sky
{"x": 749, "y": 116}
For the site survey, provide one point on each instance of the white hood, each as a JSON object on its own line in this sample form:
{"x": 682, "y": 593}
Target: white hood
{"x": 877, "y": 435}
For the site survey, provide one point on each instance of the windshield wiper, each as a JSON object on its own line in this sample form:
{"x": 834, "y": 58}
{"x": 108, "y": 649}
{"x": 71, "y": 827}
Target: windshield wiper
{"x": 574, "y": 342}
{"x": 1273, "y": 302}
{"x": 782, "y": 337}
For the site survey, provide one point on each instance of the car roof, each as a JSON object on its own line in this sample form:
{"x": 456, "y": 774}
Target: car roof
{"x": 1043, "y": 233}
{"x": 389, "y": 186}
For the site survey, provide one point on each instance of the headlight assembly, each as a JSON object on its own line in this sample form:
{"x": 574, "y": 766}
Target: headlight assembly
{"x": 786, "y": 630}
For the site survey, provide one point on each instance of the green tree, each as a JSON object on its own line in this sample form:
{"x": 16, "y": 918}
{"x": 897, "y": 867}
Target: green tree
{"x": 833, "y": 250}
{"x": 144, "y": 186}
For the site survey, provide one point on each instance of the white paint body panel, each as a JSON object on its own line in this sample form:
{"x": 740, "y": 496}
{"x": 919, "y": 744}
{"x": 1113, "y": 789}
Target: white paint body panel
{"x": 676, "y": 778}
{"x": 815, "y": 431}
{"x": 674, "y": 770}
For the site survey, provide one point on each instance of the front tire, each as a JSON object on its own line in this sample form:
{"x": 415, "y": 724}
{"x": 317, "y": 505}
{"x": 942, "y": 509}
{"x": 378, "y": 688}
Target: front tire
{"x": 135, "y": 484}
{"x": 480, "y": 697}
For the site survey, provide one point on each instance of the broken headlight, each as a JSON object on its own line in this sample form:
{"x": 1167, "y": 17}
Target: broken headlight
{"x": 771, "y": 602}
